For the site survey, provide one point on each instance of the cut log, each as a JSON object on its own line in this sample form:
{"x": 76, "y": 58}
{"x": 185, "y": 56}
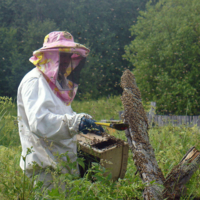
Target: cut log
{"x": 173, "y": 186}
{"x": 181, "y": 174}
{"x": 138, "y": 139}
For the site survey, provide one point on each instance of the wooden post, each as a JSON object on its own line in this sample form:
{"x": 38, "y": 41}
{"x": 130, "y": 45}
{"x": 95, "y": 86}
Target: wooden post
{"x": 138, "y": 139}
{"x": 143, "y": 153}
{"x": 152, "y": 113}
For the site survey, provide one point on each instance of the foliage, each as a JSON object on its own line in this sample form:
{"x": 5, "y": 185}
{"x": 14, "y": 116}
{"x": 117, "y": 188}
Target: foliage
{"x": 8, "y": 46}
{"x": 170, "y": 144}
{"x": 99, "y": 24}
{"x": 8, "y": 122}
{"x": 165, "y": 54}
{"x": 76, "y": 188}
{"x": 104, "y": 108}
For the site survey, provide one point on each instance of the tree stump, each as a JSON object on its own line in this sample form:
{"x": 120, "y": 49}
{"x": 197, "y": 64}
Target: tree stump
{"x": 143, "y": 153}
{"x": 181, "y": 174}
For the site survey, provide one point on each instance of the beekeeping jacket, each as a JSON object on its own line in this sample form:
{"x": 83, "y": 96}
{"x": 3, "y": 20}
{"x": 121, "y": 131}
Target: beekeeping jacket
{"x": 47, "y": 123}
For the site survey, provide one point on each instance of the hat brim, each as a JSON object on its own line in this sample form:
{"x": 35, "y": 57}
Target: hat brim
{"x": 63, "y": 44}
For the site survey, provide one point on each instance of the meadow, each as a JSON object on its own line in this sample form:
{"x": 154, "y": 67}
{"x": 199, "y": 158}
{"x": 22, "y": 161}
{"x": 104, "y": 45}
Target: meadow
{"x": 170, "y": 144}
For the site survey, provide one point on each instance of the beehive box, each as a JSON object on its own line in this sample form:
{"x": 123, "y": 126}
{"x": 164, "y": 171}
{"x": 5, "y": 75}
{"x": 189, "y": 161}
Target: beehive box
{"x": 110, "y": 152}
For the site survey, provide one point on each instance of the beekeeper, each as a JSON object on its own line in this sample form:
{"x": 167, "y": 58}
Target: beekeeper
{"x": 47, "y": 123}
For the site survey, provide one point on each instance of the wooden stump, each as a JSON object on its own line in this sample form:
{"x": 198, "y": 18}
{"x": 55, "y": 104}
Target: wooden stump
{"x": 138, "y": 139}
{"x": 143, "y": 153}
{"x": 181, "y": 174}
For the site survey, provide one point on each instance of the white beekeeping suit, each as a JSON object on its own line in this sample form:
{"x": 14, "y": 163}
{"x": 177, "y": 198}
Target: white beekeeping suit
{"x": 47, "y": 122}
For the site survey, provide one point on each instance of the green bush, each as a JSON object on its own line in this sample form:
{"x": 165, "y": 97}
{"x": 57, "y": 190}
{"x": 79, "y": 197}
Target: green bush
{"x": 165, "y": 54}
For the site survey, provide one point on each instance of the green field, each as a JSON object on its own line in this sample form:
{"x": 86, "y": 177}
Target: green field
{"x": 170, "y": 144}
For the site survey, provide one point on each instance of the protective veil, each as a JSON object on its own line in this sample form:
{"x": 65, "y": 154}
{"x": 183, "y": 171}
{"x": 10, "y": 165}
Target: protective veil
{"x": 47, "y": 122}
{"x": 47, "y": 60}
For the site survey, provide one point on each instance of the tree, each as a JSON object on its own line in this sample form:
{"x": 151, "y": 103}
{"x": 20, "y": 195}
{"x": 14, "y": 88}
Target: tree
{"x": 165, "y": 54}
{"x": 102, "y": 25}
{"x": 8, "y": 43}
{"x": 158, "y": 187}
{"x": 22, "y": 51}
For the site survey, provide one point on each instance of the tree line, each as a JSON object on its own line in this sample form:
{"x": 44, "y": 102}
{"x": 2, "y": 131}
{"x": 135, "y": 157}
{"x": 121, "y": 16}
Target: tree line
{"x": 102, "y": 25}
{"x": 166, "y": 55}
{"x": 161, "y": 40}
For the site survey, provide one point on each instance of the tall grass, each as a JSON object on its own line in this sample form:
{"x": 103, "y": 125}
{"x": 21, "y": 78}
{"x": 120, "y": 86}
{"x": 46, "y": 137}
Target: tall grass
{"x": 105, "y": 108}
{"x": 170, "y": 144}
{"x": 8, "y": 122}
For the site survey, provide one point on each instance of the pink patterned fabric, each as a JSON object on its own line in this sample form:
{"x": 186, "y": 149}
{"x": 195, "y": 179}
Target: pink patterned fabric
{"x": 46, "y": 59}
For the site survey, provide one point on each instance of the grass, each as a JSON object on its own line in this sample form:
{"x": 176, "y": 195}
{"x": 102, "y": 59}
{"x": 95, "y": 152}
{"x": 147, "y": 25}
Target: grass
{"x": 105, "y": 108}
{"x": 8, "y": 122}
{"x": 170, "y": 144}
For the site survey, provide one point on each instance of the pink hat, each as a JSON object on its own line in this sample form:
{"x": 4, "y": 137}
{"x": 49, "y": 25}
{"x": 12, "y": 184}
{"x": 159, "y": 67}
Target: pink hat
{"x": 46, "y": 59}
{"x": 62, "y": 39}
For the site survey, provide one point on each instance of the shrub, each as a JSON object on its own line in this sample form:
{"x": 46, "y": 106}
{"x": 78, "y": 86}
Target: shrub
{"x": 165, "y": 54}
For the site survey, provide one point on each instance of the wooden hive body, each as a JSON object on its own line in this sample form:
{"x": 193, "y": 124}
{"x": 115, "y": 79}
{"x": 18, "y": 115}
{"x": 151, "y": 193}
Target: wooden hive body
{"x": 111, "y": 152}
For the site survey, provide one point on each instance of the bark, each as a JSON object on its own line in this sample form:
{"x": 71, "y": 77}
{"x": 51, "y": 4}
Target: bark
{"x": 181, "y": 174}
{"x": 138, "y": 139}
{"x": 143, "y": 153}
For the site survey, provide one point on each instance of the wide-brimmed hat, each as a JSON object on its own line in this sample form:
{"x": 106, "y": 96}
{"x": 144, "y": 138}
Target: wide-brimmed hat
{"x": 47, "y": 59}
{"x": 63, "y": 41}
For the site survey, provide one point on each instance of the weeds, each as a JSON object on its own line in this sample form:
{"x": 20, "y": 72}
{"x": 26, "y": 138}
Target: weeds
{"x": 170, "y": 144}
{"x": 8, "y": 123}
{"x": 105, "y": 108}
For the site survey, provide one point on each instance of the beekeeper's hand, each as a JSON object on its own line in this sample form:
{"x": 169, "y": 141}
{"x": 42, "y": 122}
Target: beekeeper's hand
{"x": 87, "y": 125}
